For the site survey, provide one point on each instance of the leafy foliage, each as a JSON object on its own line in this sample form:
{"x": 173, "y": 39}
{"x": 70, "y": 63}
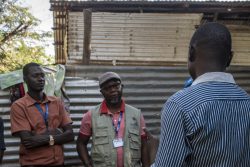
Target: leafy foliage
{"x": 19, "y": 43}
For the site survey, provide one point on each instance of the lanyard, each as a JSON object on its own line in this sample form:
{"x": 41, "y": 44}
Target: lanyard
{"x": 44, "y": 114}
{"x": 118, "y": 124}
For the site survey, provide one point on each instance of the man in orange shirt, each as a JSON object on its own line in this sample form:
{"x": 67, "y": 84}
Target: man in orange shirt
{"x": 41, "y": 122}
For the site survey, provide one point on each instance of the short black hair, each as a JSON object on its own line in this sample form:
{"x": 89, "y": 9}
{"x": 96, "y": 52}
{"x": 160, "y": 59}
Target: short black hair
{"x": 28, "y": 66}
{"x": 216, "y": 32}
{"x": 216, "y": 37}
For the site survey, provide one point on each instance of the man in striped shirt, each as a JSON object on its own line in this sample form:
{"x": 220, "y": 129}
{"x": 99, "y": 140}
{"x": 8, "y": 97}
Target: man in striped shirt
{"x": 208, "y": 123}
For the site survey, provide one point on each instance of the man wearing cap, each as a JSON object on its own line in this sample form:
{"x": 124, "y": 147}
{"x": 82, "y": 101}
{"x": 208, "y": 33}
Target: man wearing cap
{"x": 118, "y": 138}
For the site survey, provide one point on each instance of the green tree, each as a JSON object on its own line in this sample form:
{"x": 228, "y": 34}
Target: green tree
{"x": 19, "y": 42}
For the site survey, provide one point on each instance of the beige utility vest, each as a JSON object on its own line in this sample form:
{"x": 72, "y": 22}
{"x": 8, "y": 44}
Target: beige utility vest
{"x": 103, "y": 153}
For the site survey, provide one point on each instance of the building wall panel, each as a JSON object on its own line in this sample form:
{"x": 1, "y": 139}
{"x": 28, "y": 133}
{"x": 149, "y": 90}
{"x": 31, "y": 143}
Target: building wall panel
{"x": 146, "y": 36}
{"x": 128, "y": 37}
{"x": 145, "y": 87}
{"x": 240, "y": 44}
{"x": 151, "y": 37}
{"x": 75, "y": 35}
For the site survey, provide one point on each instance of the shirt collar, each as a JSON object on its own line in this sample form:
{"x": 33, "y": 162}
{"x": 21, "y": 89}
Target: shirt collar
{"x": 214, "y": 77}
{"x": 104, "y": 108}
{"x": 31, "y": 101}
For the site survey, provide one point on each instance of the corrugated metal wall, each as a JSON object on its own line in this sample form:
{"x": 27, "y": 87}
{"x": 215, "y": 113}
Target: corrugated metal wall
{"x": 75, "y": 35}
{"x": 142, "y": 36}
{"x": 133, "y": 36}
{"x": 145, "y": 87}
{"x": 11, "y": 153}
{"x": 240, "y": 43}
{"x": 145, "y": 37}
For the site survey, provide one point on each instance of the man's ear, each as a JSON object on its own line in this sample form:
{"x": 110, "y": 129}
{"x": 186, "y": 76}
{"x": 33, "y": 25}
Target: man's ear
{"x": 191, "y": 56}
{"x": 230, "y": 58}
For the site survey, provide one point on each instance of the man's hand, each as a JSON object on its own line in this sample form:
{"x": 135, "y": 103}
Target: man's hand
{"x": 81, "y": 147}
{"x": 54, "y": 132}
{"x": 152, "y": 146}
{"x": 35, "y": 141}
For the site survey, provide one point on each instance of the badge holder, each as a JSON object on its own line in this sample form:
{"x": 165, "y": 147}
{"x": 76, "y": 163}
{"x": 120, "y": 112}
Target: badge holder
{"x": 118, "y": 142}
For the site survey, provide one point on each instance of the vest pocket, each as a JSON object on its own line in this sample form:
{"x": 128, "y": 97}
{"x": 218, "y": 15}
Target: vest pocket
{"x": 134, "y": 139}
{"x": 101, "y": 137}
{"x": 98, "y": 160}
{"x": 135, "y": 149}
{"x": 100, "y": 147}
{"x": 134, "y": 144}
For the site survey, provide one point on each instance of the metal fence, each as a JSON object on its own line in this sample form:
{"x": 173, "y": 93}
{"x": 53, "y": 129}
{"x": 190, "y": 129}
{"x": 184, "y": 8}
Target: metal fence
{"x": 146, "y": 88}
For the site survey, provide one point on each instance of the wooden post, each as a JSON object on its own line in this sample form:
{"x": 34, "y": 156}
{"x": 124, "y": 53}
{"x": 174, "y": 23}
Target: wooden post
{"x": 87, "y": 14}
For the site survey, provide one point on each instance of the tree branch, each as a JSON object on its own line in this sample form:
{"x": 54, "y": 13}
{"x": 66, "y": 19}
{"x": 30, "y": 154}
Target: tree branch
{"x": 20, "y": 28}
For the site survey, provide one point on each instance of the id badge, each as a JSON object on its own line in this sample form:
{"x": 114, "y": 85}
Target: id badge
{"x": 118, "y": 142}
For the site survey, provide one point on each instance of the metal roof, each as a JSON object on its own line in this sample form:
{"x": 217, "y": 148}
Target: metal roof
{"x": 152, "y": 0}
{"x": 187, "y": 6}
{"x": 225, "y": 2}
{"x": 224, "y": 10}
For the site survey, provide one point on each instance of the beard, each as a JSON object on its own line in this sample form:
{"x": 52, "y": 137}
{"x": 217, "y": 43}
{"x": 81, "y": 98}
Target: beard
{"x": 113, "y": 101}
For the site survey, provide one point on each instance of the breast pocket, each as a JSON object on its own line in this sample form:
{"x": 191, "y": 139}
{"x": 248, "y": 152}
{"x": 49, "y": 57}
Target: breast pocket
{"x": 101, "y": 137}
{"x": 54, "y": 120}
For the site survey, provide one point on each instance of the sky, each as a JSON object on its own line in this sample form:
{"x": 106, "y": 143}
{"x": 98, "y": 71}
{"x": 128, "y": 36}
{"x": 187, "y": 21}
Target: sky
{"x": 40, "y": 9}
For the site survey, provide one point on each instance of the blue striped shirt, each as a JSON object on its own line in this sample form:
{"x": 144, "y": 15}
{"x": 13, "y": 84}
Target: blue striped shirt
{"x": 206, "y": 125}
